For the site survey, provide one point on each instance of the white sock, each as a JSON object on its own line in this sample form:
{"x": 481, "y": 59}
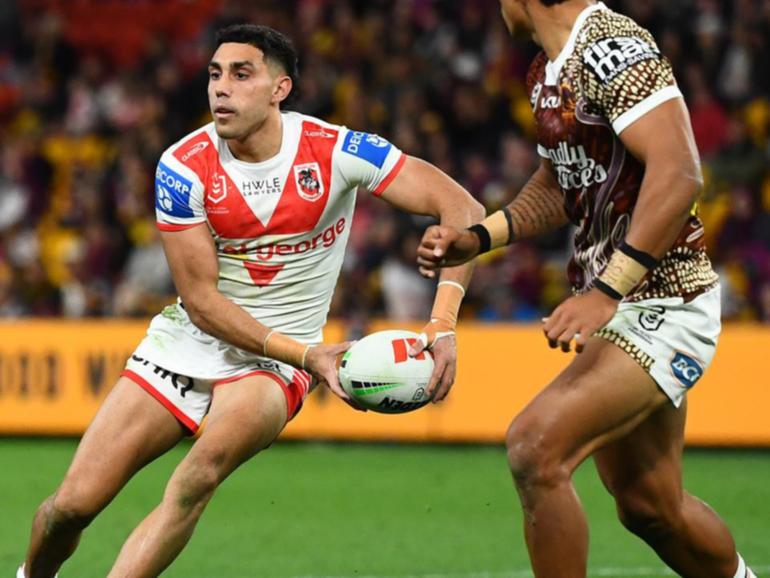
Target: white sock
{"x": 743, "y": 570}
{"x": 20, "y": 572}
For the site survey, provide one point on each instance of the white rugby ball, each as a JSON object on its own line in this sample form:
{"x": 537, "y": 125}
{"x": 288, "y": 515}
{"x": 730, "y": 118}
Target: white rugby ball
{"x": 378, "y": 374}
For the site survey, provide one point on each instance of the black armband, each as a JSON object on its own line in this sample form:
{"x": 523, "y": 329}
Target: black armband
{"x": 639, "y": 256}
{"x": 509, "y": 220}
{"x": 607, "y": 290}
{"x": 485, "y": 241}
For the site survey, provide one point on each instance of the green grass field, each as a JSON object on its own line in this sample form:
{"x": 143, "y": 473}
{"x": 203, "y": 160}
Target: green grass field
{"x": 332, "y": 510}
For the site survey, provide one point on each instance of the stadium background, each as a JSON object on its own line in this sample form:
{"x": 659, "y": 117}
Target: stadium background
{"x": 91, "y": 92}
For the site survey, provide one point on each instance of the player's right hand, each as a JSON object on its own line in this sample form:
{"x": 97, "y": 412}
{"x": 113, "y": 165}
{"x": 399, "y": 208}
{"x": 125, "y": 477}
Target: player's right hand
{"x": 321, "y": 361}
{"x": 445, "y": 247}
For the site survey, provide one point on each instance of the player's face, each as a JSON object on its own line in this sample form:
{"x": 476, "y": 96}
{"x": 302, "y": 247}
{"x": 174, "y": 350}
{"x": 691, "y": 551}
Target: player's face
{"x": 242, "y": 89}
{"x": 517, "y": 20}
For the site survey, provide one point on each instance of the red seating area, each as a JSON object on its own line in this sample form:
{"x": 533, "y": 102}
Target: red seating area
{"x": 118, "y": 30}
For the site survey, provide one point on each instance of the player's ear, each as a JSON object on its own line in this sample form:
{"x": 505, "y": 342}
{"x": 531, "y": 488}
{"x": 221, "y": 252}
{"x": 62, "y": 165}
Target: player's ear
{"x": 282, "y": 88}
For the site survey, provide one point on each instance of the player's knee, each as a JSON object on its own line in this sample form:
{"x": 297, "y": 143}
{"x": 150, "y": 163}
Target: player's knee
{"x": 73, "y": 506}
{"x": 532, "y": 462}
{"x": 194, "y": 485}
{"x": 645, "y": 517}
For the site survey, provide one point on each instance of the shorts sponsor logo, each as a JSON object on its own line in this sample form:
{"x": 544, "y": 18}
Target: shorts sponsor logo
{"x": 269, "y": 365}
{"x": 369, "y": 147}
{"x": 194, "y": 150}
{"x": 611, "y": 57}
{"x": 181, "y": 383}
{"x": 172, "y": 192}
{"x": 686, "y": 369}
{"x": 652, "y": 317}
{"x": 309, "y": 184}
{"x": 574, "y": 168}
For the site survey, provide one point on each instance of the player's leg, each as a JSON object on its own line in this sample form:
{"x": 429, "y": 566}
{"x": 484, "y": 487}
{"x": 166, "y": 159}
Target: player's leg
{"x": 643, "y": 471}
{"x": 601, "y": 396}
{"x": 129, "y": 430}
{"x": 245, "y": 417}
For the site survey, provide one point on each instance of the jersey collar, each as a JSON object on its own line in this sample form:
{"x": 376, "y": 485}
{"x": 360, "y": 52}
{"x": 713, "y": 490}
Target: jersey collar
{"x": 553, "y": 69}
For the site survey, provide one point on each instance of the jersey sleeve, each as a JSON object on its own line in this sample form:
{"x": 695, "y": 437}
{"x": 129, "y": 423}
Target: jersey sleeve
{"x": 368, "y": 160}
{"x": 626, "y": 76}
{"x": 178, "y": 195}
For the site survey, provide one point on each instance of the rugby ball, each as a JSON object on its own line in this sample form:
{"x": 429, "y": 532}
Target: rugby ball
{"x": 378, "y": 373}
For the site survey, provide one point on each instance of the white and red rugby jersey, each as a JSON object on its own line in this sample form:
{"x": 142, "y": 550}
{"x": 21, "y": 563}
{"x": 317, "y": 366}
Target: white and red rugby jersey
{"x": 281, "y": 225}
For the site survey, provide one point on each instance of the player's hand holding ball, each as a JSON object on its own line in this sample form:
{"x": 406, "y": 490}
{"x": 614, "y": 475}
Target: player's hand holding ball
{"x": 439, "y": 337}
{"x": 321, "y": 361}
{"x": 378, "y": 373}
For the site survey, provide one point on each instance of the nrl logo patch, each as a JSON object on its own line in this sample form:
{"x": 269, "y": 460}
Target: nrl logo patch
{"x": 218, "y": 190}
{"x": 309, "y": 184}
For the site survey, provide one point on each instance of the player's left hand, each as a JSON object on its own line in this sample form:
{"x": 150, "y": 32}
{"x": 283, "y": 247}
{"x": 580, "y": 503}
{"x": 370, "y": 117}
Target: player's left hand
{"x": 321, "y": 361}
{"x": 579, "y": 318}
{"x": 444, "y": 348}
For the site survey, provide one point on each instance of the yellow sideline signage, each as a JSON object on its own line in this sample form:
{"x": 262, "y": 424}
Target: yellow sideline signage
{"x": 54, "y": 374}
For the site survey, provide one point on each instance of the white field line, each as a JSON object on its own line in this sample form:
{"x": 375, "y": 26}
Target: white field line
{"x": 600, "y": 572}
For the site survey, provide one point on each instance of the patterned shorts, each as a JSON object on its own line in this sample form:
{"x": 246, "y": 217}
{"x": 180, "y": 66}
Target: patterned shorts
{"x": 672, "y": 340}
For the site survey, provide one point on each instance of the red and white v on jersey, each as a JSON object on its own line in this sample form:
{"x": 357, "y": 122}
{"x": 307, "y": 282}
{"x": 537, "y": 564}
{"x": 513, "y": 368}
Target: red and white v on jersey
{"x": 280, "y": 226}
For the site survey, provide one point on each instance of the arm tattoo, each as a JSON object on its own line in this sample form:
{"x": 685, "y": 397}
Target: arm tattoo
{"x": 538, "y": 208}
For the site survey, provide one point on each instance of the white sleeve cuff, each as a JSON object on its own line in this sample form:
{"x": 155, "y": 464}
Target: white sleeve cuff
{"x": 638, "y": 111}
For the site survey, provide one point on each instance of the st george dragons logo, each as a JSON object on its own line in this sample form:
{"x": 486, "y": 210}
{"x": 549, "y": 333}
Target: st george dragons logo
{"x": 309, "y": 184}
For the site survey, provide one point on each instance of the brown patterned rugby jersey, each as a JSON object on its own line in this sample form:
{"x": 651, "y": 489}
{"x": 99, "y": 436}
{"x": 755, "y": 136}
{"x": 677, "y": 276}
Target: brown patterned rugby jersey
{"x": 609, "y": 75}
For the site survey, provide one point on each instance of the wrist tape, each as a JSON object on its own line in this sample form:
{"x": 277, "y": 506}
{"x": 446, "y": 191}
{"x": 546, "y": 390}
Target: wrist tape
{"x": 627, "y": 267}
{"x": 443, "y": 317}
{"x": 495, "y": 231}
{"x": 285, "y": 349}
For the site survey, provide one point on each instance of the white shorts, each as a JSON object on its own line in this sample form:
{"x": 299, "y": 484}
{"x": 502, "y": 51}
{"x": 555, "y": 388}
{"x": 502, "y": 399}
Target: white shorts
{"x": 180, "y": 366}
{"x": 672, "y": 340}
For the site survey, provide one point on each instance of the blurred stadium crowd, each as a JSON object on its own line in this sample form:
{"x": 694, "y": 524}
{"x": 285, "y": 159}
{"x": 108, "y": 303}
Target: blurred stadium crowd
{"x": 92, "y": 91}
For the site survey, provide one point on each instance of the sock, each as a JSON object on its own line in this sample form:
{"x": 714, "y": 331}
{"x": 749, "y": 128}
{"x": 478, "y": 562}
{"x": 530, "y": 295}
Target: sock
{"x": 743, "y": 570}
{"x": 20, "y": 572}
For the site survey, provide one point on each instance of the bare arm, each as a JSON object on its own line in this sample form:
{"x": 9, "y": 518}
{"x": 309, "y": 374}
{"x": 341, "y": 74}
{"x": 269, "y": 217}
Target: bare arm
{"x": 664, "y": 142}
{"x": 423, "y": 189}
{"x": 539, "y": 207}
{"x": 662, "y": 139}
{"x": 192, "y": 259}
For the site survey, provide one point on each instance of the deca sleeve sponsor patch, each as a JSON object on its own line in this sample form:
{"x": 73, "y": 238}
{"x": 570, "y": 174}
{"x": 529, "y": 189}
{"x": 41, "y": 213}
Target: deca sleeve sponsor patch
{"x": 370, "y": 147}
{"x": 172, "y": 192}
{"x": 610, "y": 57}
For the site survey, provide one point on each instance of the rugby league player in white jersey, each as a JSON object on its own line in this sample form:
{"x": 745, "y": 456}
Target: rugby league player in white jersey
{"x": 255, "y": 211}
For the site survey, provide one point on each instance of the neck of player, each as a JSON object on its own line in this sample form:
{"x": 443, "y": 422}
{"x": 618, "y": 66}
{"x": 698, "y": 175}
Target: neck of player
{"x": 261, "y": 144}
{"x": 553, "y": 25}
